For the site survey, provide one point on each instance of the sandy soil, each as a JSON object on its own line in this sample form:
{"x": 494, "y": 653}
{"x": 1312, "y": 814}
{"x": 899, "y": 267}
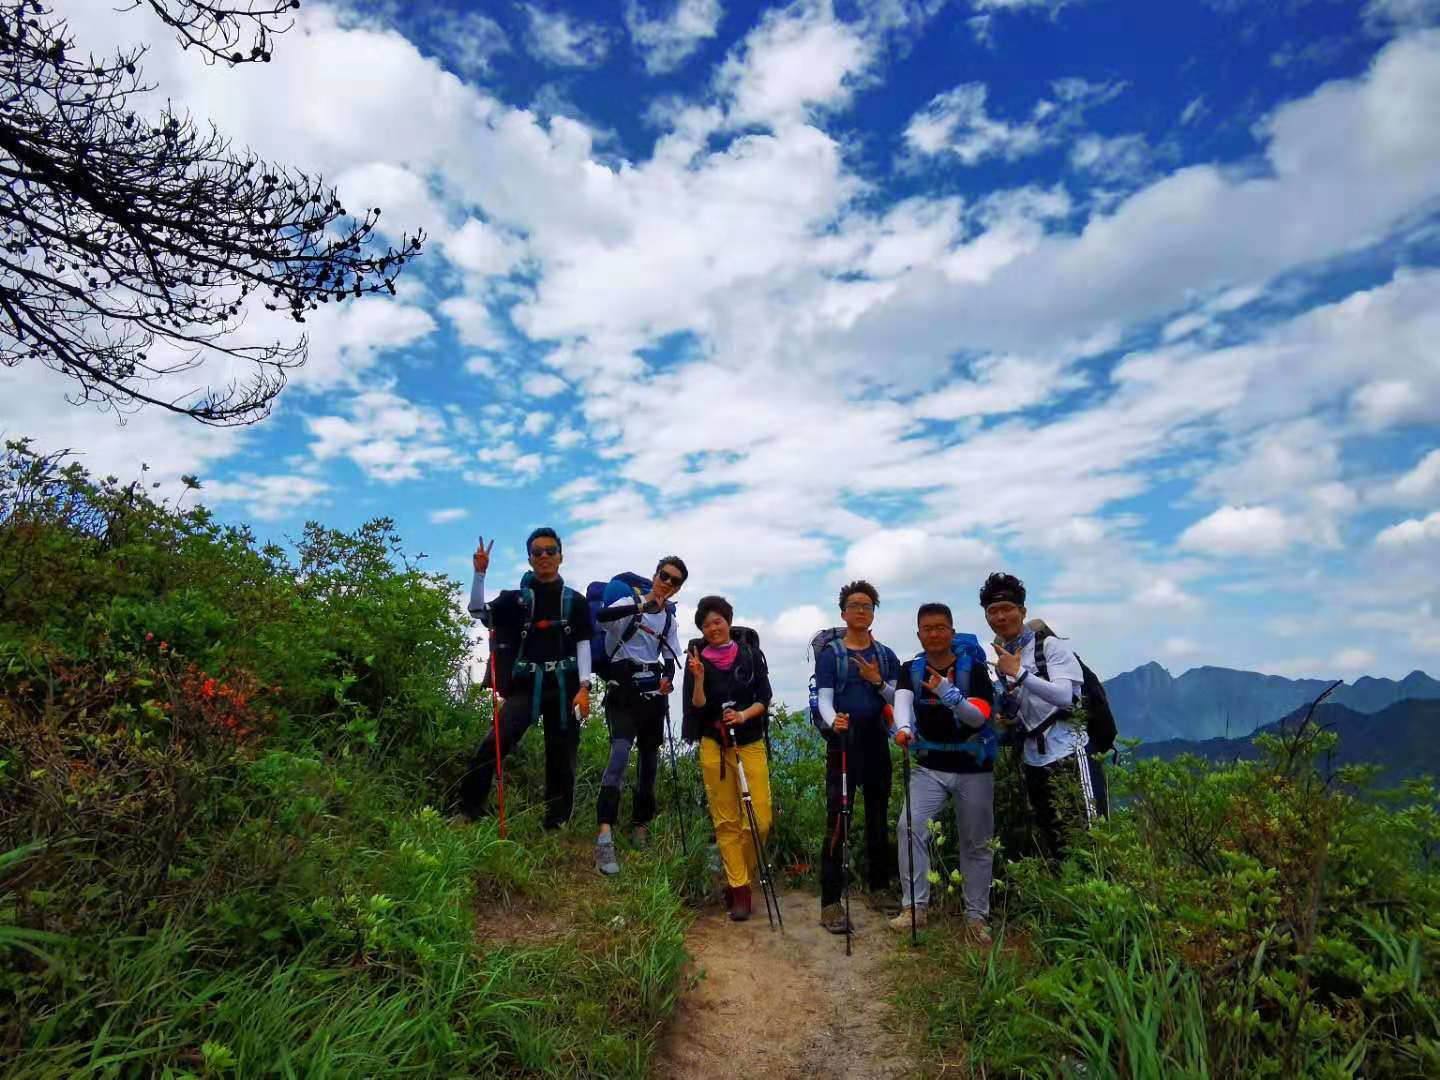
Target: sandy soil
{"x": 771, "y": 1004}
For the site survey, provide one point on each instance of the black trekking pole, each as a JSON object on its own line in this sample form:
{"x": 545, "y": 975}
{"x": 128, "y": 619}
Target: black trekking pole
{"x": 675, "y": 780}
{"x": 762, "y": 861}
{"x": 844, "y": 825}
{"x": 910, "y": 843}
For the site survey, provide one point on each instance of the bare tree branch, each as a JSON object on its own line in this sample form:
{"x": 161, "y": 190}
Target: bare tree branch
{"x": 130, "y": 247}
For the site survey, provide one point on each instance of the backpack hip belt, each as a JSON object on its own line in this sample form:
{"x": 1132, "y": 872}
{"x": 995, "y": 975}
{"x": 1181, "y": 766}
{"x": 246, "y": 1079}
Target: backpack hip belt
{"x": 538, "y": 671}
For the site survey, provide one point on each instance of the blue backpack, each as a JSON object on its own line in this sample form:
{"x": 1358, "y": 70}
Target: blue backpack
{"x": 601, "y": 594}
{"x": 968, "y": 653}
{"x": 832, "y": 638}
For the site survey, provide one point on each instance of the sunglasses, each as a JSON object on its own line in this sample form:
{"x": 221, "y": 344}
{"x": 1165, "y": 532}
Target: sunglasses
{"x": 543, "y": 552}
{"x": 667, "y": 578}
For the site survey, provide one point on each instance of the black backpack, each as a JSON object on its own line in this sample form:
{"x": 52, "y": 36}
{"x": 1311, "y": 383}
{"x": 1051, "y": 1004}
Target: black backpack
{"x": 1099, "y": 719}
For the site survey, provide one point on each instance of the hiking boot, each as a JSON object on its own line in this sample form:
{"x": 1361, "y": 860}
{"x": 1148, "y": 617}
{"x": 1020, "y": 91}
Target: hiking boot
{"x": 832, "y": 918}
{"x": 740, "y": 903}
{"x": 605, "y": 856}
{"x": 640, "y": 837}
{"x": 886, "y": 901}
{"x": 979, "y": 931}
{"x": 901, "y": 922}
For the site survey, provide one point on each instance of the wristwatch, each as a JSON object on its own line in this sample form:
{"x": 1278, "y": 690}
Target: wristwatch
{"x": 1020, "y": 679}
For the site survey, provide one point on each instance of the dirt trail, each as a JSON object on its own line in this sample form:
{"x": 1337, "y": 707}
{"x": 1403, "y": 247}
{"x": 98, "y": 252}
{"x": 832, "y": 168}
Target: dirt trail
{"x": 769, "y": 1004}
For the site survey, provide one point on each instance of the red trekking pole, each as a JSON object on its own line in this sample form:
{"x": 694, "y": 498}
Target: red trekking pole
{"x": 495, "y": 720}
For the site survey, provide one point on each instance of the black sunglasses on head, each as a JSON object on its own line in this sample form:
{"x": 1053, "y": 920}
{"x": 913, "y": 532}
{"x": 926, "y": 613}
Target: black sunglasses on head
{"x": 667, "y": 578}
{"x": 540, "y": 553}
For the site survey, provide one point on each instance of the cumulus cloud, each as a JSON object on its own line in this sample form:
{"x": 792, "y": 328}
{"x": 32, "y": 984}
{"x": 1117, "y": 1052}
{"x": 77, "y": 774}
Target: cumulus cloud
{"x": 562, "y": 39}
{"x": 267, "y": 498}
{"x": 908, "y": 555}
{"x": 1411, "y": 533}
{"x": 958, "y": 122}
{"x": 447, "y": 515}
{"x": 1241, "y": 530}
{"x": 667, "y": 41}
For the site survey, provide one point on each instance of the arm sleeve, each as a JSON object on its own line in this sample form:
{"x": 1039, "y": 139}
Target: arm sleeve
{"x": 968, "y": 714}
{"x": 1065, "y": 677}
{"x": 904, "y": 710}
{"x": 582, "y": 660}
{"x": 827, "y": 705}
{"x": 478, "y": 608}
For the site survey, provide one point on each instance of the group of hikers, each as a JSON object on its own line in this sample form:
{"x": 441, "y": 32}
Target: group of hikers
{"x": 943, "y": 707}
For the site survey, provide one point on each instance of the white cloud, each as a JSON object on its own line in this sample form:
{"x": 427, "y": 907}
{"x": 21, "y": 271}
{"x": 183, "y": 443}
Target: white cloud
{"x": 999, "y": 385}
{"x": 1164, "y": 594}
{"x": 1411, "y": 533}
{"x": 473, "y": 322}
{"x": 471, "y": 41}
{"x": 797, "y": 625}
{"x": 1389, "y": 402}
{"x": 798, "y": 58}
{"x": 1353, "y": 662}
{"x": 1194, "y": 109}
{"x": 957, "y": 122}
{"x": 388, "y": 437}
{"x": 1421, "y": 485}
{"x": 267, "y": 498}
{"x": 543, "y": 385}
{"x": 1120, "y": 159}
{"x": 447, "y": 515}
{"x": 904, "y": 556}
{"x": 1179, "y": 648}
{"x": 483, "y": 249}
{"x": 1241, "y": 530}
{"x": 1390, "y": 16}
{"x": 666, "y": 41}
{"x": 564, "y": 40}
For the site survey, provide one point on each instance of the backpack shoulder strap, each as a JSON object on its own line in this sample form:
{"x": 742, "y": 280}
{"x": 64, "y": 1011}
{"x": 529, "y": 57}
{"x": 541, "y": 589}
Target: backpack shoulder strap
{"x": 842, "y": 662}
{"x": 1042, "y": 666}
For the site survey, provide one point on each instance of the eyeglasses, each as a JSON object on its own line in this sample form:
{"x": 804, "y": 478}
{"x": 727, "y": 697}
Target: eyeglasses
{"x": 667, "y": 578}
{"x": 857, "y": 605}
{"x": 543, "y": 553}
{"x": 947, "y": 630}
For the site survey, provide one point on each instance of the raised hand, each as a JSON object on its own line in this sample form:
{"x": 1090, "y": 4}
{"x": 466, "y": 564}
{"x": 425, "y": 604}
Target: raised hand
{"x": 869, "y": 670}
{"x": 481, "y": 559}
{"x": 696, "y": 665}
{"x": 934, "y": 680}
{"x": 1006, "y": 662}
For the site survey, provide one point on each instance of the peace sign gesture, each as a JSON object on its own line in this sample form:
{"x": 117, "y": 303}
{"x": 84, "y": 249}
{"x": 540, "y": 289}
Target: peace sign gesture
{"x": 481, "y": 559}
{"x": 869, "y": 670}
{"x": 934, "y": 680}
{"x": 1007, "y": 662}
{"x": 697, "y": 666}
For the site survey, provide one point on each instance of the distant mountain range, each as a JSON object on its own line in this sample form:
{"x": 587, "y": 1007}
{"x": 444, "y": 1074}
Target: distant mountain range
{"x": 1210, "y": 702}
{"x": 1400, "y": 738}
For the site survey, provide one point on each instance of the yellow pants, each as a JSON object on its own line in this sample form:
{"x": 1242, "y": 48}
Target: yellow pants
{"x": 732, "y": 826}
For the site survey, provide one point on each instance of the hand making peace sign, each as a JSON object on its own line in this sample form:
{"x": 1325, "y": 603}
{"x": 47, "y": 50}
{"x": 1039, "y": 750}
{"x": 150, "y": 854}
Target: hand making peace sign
{"x": 869, "y": 670}
{"x": 481, "y": 560}
{"x": 1006, "y": 662}
{"x": 697, "y": 666}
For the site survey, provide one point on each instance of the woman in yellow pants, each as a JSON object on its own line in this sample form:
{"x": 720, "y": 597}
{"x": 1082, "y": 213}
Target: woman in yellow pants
{"x": 726, "y": 695}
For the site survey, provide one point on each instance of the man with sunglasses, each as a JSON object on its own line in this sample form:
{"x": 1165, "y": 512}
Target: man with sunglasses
{"x": 548, "y": 672}
{"x": 643, "y": 646}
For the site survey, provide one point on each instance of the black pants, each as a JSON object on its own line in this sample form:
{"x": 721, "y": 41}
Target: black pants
{"x": 562, "y": 747}
{"x": 639, "y": 721}
{"x": 1051, "y": 810}
{"x": 869, "y": 767}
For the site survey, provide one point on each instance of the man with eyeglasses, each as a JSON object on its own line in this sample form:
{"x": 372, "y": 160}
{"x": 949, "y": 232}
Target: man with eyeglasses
{"x": 643, "y": 645}
{"x": 855, "y": 679}
{"x": 549, "y": 672}
{"x": 1040, "y": 684}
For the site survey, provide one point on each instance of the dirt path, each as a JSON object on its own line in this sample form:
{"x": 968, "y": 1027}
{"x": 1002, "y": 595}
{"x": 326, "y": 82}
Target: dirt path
{"x": 768, "y": 1004}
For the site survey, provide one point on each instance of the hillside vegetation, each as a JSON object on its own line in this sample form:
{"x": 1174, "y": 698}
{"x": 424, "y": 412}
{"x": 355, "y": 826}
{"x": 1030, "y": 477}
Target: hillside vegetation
{"x": 225, "y": 850}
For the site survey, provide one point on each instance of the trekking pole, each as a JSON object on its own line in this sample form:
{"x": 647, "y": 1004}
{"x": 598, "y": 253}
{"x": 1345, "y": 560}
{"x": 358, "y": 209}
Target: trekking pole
{"x": 910, "y": 843}
{"x": 845, "y": 830}
{"x": 495, "y": 721}
{"x": 762, "y": 862}
{"x": 675, "y": 779}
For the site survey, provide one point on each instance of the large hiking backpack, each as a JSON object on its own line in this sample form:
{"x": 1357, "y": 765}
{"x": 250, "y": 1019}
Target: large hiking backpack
{"x": 832, "y": 638}
{"x": 507, "y": 643}
{"x": 600, "y": 595}
{"x": 968, "y": 653}
{"x": 1099, "y": 719}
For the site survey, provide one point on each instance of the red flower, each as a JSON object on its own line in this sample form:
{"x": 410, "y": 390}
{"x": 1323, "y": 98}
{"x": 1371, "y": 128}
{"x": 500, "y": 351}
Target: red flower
{"x": 149, "y": 636}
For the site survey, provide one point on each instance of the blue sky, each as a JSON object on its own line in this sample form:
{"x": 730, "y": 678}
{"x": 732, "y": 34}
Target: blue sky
{"x": 1136, "y": 300}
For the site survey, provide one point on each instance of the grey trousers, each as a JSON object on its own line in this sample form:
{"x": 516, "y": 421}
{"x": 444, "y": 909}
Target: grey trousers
{"x": 973, "y": 795}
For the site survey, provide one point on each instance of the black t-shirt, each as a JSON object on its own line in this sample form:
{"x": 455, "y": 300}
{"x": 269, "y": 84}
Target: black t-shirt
{"x": 936, "y": 723}
{"x": 547, "y": 640}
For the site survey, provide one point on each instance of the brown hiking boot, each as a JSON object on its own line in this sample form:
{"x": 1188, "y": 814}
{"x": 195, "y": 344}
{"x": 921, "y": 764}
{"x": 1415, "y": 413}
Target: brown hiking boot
{"x": 901, "y": 922}
{"x": 979, "y": 931}
{"x": 740, "y": 903}
{"x": 886, "y": 900}
{"x": 832, "y": 918}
